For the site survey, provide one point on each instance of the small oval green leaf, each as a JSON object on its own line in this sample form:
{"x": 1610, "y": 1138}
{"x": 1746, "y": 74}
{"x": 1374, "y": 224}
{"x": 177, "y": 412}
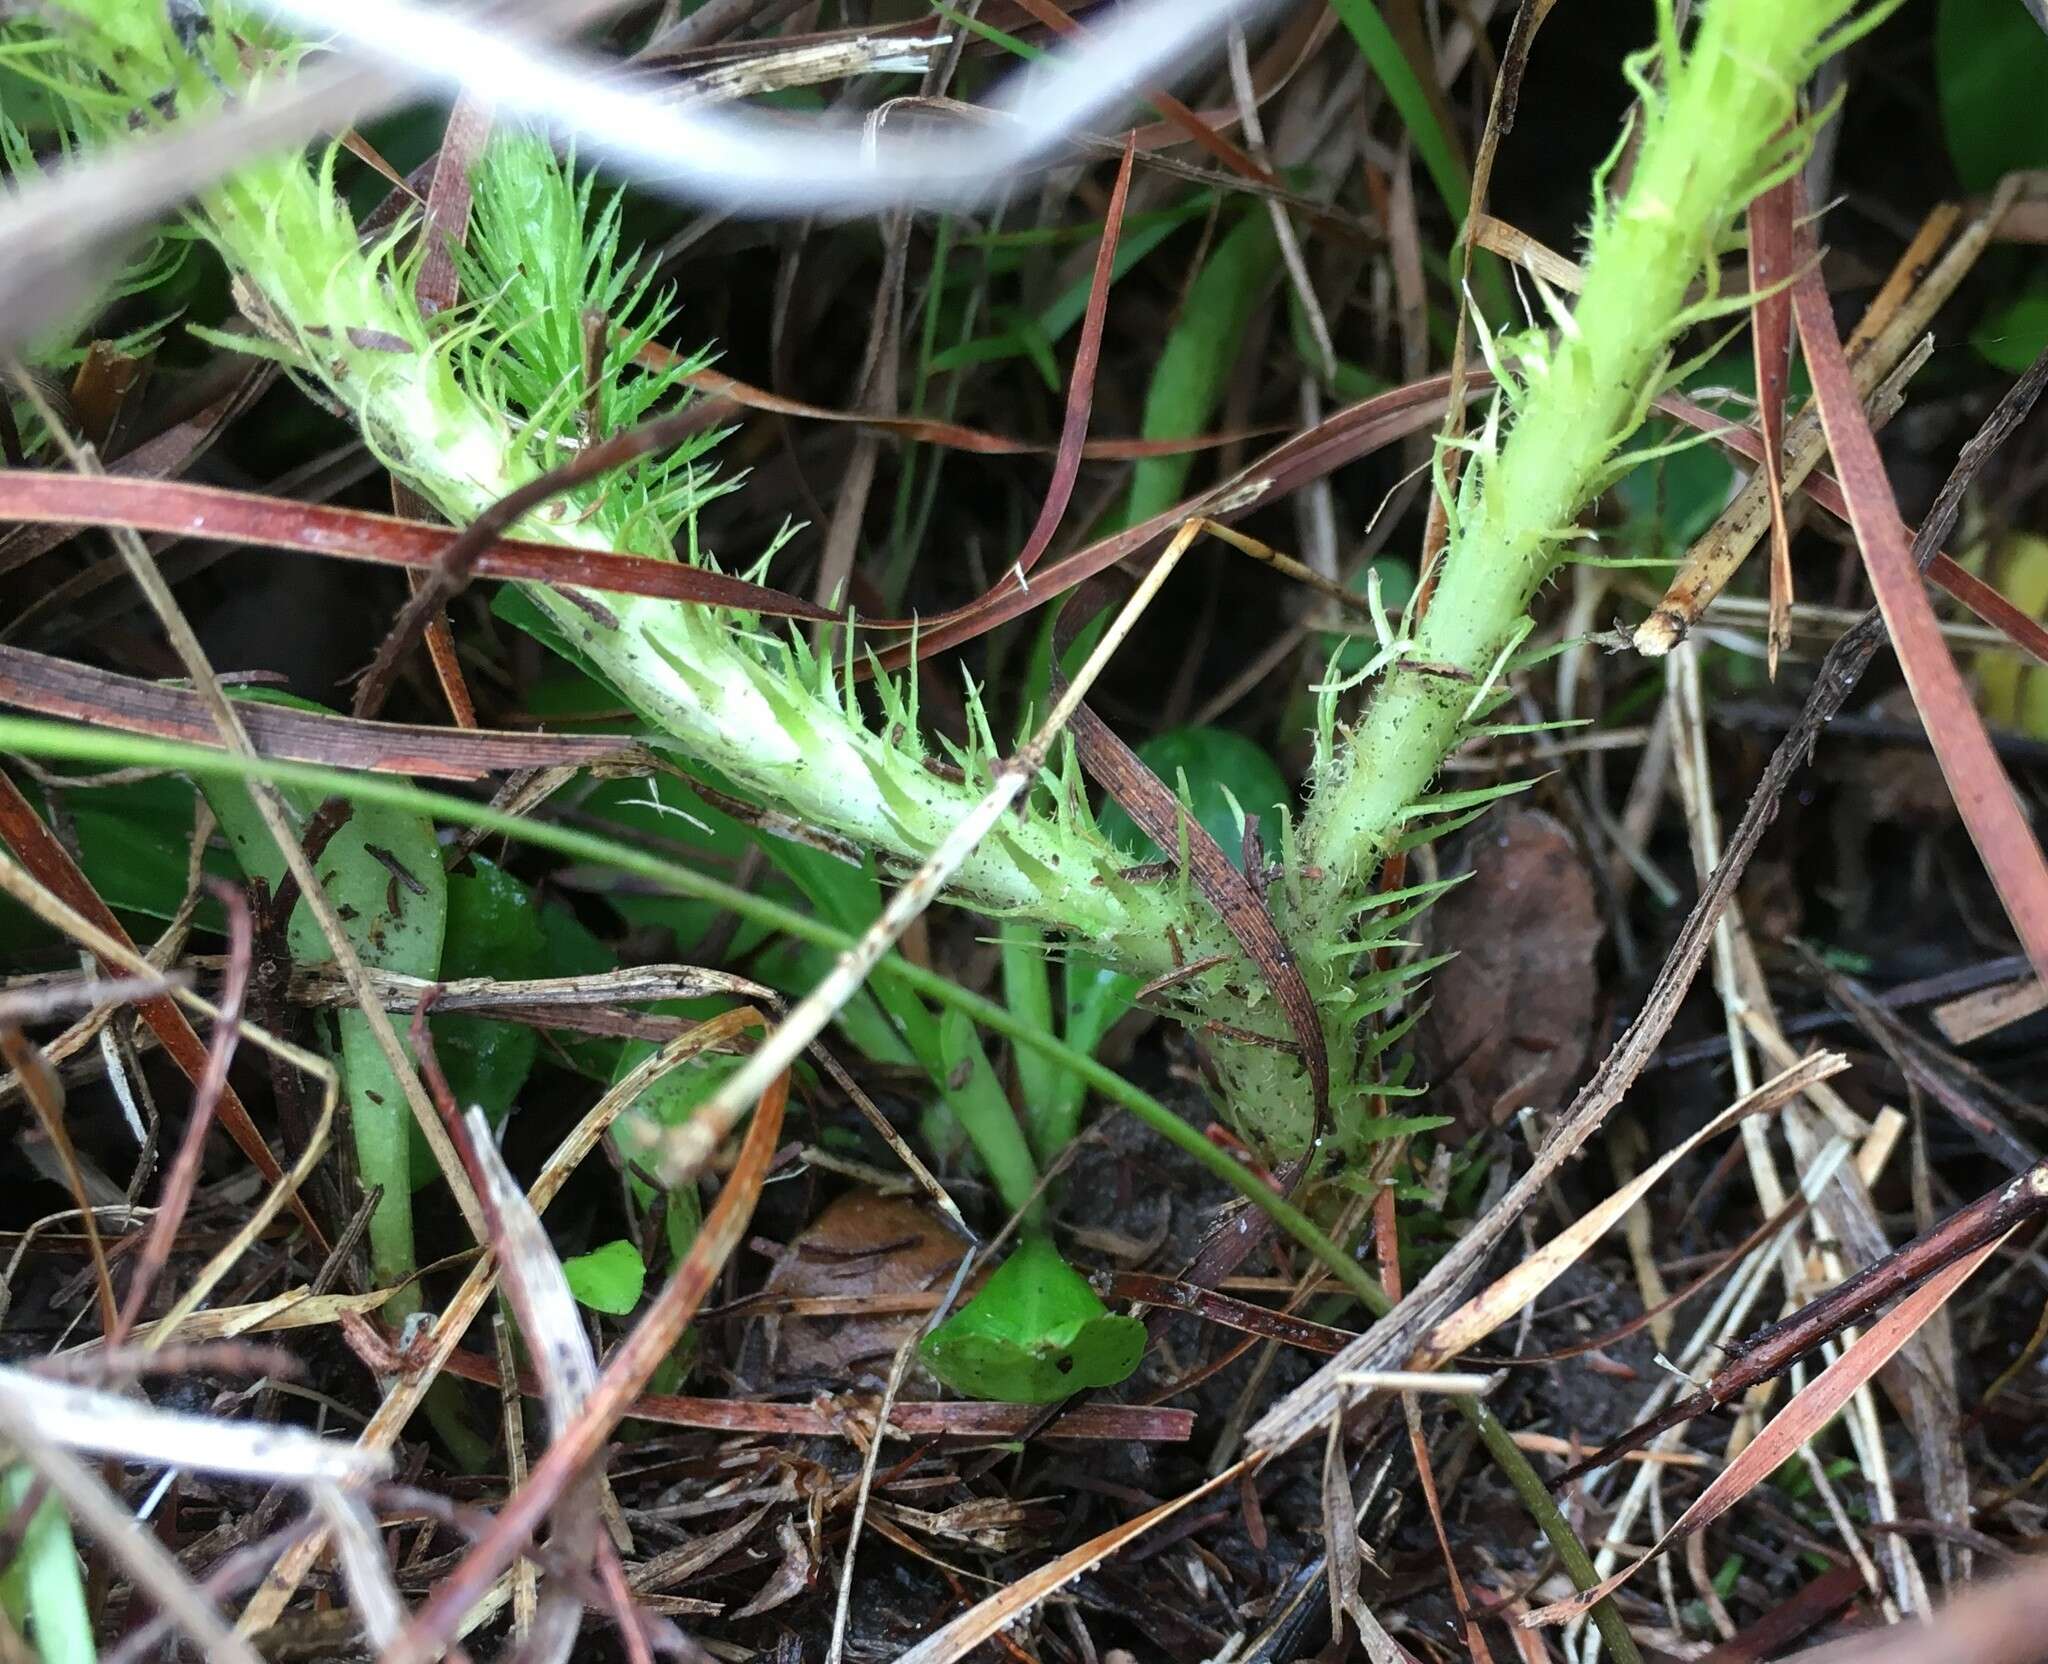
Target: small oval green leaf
{"x": 607, "y": 1279}
{"x": 1035, "y": 1333}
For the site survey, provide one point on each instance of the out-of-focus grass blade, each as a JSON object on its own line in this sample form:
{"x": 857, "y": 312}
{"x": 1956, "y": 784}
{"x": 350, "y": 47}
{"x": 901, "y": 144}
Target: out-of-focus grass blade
{"x": 1065, "y": 310}
{"x": 43, "y": 1584}
{"x": 1188, "y": 383}
{"x": 1439, "y": 151}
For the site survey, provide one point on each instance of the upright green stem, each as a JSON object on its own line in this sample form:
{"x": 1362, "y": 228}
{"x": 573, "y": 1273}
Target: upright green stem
{"x": 745, "y": 698}
{"x": 1711, "y": 134}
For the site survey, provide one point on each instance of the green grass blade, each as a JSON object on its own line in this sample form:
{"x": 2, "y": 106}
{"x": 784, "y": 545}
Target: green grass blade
{"x": 1187, "y": 386}
{"x": 44, "y": 1584}
{"x": 1439, "y": 152}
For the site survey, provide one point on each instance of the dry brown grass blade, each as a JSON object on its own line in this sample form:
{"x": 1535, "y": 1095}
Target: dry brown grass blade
{"x": 1975, "y": 777}
{"x": 181, "y": 508}
{"x": 1340, "y": 1535}
{"x": 399, "y": 1406}
{"x": 1081, "y": 380}
{"x": 56, "y": 687}
{"x": 1807, "y": 1413}
{"x": 988, "y": 1619}
{"x": 570, "y": 1454}
{"x": 1514, "y": 244}
{"x": 296, "y": 1308}
{"x": 1973, "y": 1016}
{"x": 225, "y": 394}
{"x": 1770, "y": 266}
{"x": 183, "y": 1177}
{"x": 1897, "y": 318}
{"x": 47, "y": 861}
{"x": 1179, "y": 1295}
{"x": 2023, "y": 631}
{"x": 443, "y": 228}
{"x": 1526, "y": 1281}
{"x": 956, "y": 1418}
{"x": 1999, "y": 1622}
{"x": 45, "y": 1093}
{"x": 925, "y": 430}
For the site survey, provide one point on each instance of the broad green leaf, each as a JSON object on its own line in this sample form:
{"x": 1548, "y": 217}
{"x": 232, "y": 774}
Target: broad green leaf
{"x": 1990, "y": 66}
{"x": 132, "y": 843}
{"x": 571, "y": 948}
{"x": 1674, "y": 498}
{"x": 667, "y": 811}
{"x": 669, "y": 1102}
{"x": 1195, "y": 363}
{"x": 1035, "y": 1333}
{"x": 1218, "y": 767}
{"x": 494, "y": 929}
{"x": 2011, "y": 690}
{"x": 382, "y": 871}
{"x": 607, "y": 1279}
{"x": 2014, "y": 334}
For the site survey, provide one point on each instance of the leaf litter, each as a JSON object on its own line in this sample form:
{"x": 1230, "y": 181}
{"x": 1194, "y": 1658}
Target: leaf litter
{"x": 658, "y": 1517}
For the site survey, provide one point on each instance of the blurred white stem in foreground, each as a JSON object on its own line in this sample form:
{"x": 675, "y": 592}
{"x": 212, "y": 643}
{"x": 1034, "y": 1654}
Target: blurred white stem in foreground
{"x": 755, "y": 163}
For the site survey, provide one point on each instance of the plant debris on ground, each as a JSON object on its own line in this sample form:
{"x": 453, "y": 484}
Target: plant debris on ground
{"x": 1165, "y": 830}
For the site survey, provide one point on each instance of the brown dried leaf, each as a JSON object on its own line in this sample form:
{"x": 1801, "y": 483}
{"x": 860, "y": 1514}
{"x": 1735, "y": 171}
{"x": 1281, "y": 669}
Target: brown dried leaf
{"x": 792, "y": 1576}
{"x": 1511, "y": 1016}
{"x": 863, "y": 1246}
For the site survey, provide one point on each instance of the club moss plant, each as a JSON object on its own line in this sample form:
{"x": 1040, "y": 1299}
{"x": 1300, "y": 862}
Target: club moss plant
{"x": 466, "y": 408}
